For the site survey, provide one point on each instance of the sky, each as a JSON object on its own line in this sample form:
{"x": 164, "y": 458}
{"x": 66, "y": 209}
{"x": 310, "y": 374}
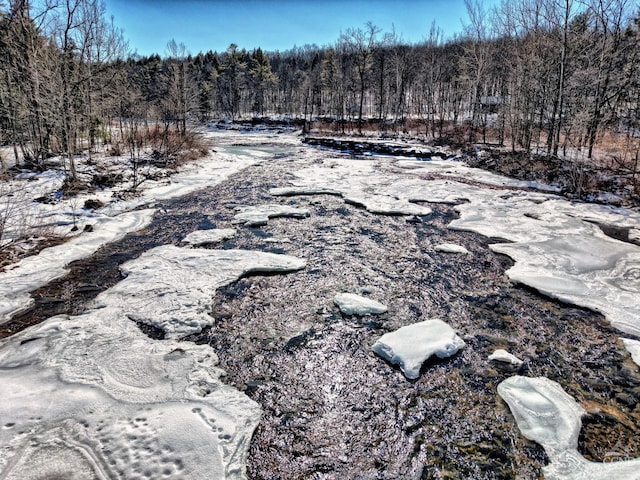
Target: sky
{"x": 203, "y": 25}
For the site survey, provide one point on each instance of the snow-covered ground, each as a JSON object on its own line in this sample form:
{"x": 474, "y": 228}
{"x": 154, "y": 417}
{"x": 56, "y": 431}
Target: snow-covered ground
{"x": 91, "y": 396}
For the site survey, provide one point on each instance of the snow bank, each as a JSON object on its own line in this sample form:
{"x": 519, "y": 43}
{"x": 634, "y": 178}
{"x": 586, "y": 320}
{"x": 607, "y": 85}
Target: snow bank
{"x": 410, "y": 346}
{"x": 21, "y": 279}
{"x": 258, "y": 215}
{"x": 546, "y": 414}
{"x": 215, "y": 235}
{"x": 351, "y": 304}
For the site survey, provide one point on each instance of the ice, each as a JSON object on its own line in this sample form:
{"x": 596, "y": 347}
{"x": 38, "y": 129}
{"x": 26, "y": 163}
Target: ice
{"x": 352, "y": 304}
{"x": 410, "y": 346}
{"x": 215, "y": 235}
{"x": 154, "y": 291}
{"x": 450, "y": 248}
{"x": 503, "y": 356}
{"x": 599, "y": 273}
{"x": 546, "y": 414}
{"x": 633, "y": 347}
{"x": 91, "y": 396}
{"x": 35, "y": 271}
{"x": 258, "y": 215}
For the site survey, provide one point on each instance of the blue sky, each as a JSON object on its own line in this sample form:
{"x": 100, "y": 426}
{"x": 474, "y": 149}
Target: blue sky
{"x": 274, "y": 24}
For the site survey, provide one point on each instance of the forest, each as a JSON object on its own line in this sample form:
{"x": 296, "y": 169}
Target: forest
{"x": 557, "y": 78}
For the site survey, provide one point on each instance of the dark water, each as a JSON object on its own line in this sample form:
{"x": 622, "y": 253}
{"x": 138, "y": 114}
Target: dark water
{"x": 334, "y": 410}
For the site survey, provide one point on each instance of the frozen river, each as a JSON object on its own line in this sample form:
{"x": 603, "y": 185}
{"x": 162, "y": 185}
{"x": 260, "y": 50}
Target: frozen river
{"x": 221, "y": 348}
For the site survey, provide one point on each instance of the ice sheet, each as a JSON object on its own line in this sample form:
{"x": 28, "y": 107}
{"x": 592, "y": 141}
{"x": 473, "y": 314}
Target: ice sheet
{"x": 92, "y": 397}
{"x": 546, "y": 414}
{"x": 215, "y": 235}
{"x": 154, "y": 291}
{"x": 258, "y": 215}
{"x": 410, "y": 346}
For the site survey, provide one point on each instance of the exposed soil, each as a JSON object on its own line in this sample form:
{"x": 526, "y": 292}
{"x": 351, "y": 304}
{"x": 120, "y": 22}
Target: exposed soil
{"x": 332, "y": 408}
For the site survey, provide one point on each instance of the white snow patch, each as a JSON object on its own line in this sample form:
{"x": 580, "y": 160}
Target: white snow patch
{"x": 352, "y": 304}
{"x": 93, "y": 397}
{"x": 595, "y": 272}
{"x": 633, "y": 347}
{"x": 215, "y": 235}
{"x": 546, "y": 414}
{"x": 171, "y": 288}
{"x": 258, "y": 215}
{"x": 21, "y": 279}
{"x": 503, "y": 356}
{"x": 451, "y": 248}
{"x": 410, "y": 346}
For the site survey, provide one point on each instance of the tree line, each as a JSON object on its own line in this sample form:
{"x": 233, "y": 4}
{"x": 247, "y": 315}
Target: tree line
{"x": 558, "y": 77}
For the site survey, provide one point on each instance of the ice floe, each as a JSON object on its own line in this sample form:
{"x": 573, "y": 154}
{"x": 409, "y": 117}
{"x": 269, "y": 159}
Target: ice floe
{"x": 450, "y": 248}
{"x": 546, "y": 414}
{"x": 352, "y": 304}
{"x": 154, "y": 292}
{"x": 215, "y": 235}
{"x": 410, "y": 346}
{"x": 258, "y": 215}
{"x": 501, "y": 355}
{"x": 21, "y": 279}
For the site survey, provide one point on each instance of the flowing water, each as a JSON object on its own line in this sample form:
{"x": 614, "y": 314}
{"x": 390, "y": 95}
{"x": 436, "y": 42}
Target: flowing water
{"x": 333, "y": 409}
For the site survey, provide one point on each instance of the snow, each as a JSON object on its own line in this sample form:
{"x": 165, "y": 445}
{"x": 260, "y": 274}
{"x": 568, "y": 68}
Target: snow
{"x": 410, "y": 346}
{"x": 214, "y": 235}
{"x": 450, "y": 248}
{"x": 259, "y": 215}
{"x": 93, "y": 397}
{"x": 501, "y": 355}
{"x": 546, "y": 414}
{"x": 633, "y": 347}
{"x": 154, "y": 292}
{"x": 32, "y": 272}
{"x": 352, "y": 304}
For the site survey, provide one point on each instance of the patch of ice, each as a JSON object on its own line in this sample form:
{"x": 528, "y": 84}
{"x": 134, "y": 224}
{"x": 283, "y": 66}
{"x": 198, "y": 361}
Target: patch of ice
{"x": 93, "y": 397}
{"x": 21, "y": 279}
{"x": 595, "y": 272}
{"x": 451, "y": 248}
{"x": 215, "y": 235}
{"x": 352, "y": 304}
{"x": 154, "y": 291}
{"x": 258, "y": 215}
{"x": 410, "y": 346}
{"x": 633, "y": 347}
{"x": 546, "y": 414}
{"x": 503, "y": 356}
{"x": 385, "y": 204}
{"x": 634, "y": 234}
